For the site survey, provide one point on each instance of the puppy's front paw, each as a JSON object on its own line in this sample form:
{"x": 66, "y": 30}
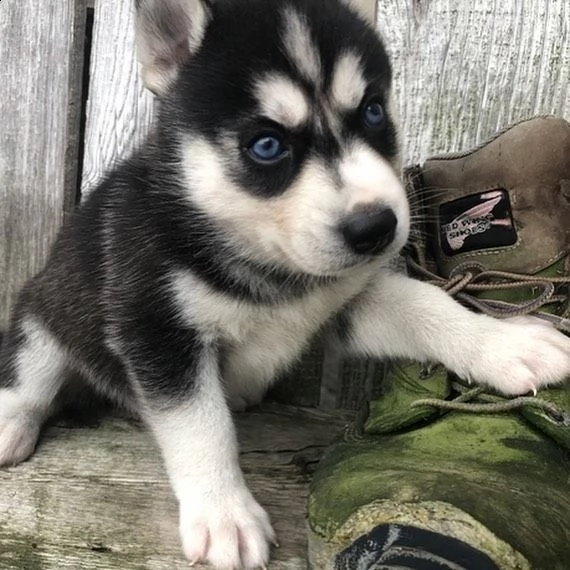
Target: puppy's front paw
{"x": 18, "y": 436}
{"x": 521, "y": 355}
{"x": 229, "y": 529}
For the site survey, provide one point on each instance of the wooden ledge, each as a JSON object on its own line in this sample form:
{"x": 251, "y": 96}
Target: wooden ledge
{"x": 96, "y": 497}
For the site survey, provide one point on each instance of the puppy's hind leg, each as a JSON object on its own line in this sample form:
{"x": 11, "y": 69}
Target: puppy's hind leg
{"x": 32, "y": 370}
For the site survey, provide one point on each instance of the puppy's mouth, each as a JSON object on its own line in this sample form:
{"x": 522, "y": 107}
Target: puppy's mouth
{"x": 363, "y": 261}
{"x": 341, "y": 265}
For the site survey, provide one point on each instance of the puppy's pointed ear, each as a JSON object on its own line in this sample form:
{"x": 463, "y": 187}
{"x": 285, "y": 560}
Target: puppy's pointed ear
{"x": 167, "y": 33}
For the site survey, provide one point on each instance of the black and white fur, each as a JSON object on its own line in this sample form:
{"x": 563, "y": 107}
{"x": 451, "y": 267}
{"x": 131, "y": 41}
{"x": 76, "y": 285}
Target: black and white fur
{"x": 194, "y": 273}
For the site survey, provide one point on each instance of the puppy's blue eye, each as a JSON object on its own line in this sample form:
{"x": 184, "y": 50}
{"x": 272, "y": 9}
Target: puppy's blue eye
{"x": 374, "y": 115}
{"x": 267, "y": 149}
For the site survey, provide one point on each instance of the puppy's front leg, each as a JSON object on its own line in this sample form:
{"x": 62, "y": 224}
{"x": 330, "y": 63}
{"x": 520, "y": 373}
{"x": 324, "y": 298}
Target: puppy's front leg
{"x": 402, "y": 317}
{"x": 220, "y": 521}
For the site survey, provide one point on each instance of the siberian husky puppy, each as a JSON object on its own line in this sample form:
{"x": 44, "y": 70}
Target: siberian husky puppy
{"x": 266, "y": 204}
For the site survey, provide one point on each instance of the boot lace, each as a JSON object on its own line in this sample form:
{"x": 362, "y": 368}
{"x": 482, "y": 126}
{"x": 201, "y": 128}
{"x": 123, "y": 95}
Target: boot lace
{"x": 471, "y": 278}
{"x": 465, "y": 282}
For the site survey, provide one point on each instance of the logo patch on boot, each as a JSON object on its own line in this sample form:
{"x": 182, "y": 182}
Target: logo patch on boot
{"x": 478, "y": 221}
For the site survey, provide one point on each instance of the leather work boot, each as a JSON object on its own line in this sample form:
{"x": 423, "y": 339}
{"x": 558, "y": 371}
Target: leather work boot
{"x": 440, "y": 474}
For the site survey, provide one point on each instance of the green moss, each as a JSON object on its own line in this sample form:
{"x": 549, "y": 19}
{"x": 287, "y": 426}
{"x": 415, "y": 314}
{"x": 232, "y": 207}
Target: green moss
{"x": 402, "y": 386}
{"x": 557, "y": 428}
{"x": 495, "y": 468}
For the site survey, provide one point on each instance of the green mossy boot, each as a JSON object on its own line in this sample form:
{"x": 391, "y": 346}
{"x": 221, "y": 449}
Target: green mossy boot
{"x": 442, "y": 474}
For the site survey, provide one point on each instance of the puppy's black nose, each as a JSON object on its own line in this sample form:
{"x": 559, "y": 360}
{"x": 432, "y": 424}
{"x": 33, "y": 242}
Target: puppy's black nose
{"x": 369, "y": 231}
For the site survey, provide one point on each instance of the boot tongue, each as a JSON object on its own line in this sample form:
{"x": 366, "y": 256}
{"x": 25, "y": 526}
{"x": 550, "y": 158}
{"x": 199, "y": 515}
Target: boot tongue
{"x": 505, "y": 205}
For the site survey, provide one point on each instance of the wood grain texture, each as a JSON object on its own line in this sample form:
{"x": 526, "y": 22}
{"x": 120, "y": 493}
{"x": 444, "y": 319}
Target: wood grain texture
{"x": 119, "y": 109}
{"x": 40, "y": 104}
{"x": 464, "y": 70}
{"x": 97, "y": 498}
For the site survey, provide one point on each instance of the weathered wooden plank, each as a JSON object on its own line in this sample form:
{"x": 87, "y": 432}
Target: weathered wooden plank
{"x": 119, "y": 109}
{"x": 40, "y": 106}
{"x": 464, "y": 70}
{"x": 97, "y": 497}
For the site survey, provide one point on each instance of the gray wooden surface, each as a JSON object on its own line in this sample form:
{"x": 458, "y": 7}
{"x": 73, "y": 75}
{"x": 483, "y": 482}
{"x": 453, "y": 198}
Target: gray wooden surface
{"x": 40, "y": 81}
{"x": 119, "y": 109}
{"x": 97, "y": 498}
{"x": 464, "y": 70}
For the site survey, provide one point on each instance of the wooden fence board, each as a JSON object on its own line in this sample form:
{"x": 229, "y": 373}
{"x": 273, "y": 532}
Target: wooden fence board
{"x": 40, "y": 105}
{"x": 464, "y": 70}
{"x": 119, "y": 109}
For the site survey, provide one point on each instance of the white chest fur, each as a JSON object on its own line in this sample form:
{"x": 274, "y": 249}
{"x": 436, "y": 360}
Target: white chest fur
{"x": 259, "y": 340}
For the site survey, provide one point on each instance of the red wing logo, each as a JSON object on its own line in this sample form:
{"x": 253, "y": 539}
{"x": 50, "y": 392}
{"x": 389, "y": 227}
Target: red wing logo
{"x": 475, "y": 220}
